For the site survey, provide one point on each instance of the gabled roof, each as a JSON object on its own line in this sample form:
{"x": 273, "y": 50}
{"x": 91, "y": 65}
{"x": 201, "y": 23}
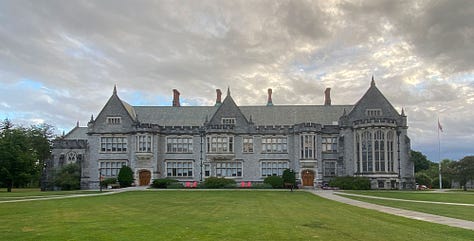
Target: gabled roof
{"x": 77, "y": 133}
{"x": 228, "y": 109}
{"x": 373, "y": 99}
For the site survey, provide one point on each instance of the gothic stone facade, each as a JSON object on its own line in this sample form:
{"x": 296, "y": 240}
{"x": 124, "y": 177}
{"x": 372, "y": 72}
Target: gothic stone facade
{"x": 245, "y": 143}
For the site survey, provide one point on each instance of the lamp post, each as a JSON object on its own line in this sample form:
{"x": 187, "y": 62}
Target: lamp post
{"x": 398, "y": 157}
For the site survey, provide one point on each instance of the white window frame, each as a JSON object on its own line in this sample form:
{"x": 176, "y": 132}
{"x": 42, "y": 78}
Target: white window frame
{"x": 114, "y": 120}
{"x": 228, "y": 121}
{"x": 329, "y": 144}
{"x": 177, "y": 167}
{"x": 273, "y": 167}
{"x": 179, "y": 144}
{"x": 144, "y": 143}
{"x": 308, "y": 146}
{"x": 113, "y": 144}
{"x": 274, "y": 144}
{"x": 247, "y": 144}
{"x": 220, "y": 144}
{"x": 373, "y": 112}
{"x": 232, "y": 169}
{"x": 206, "y": 167}
{"x": 111, "y": 168}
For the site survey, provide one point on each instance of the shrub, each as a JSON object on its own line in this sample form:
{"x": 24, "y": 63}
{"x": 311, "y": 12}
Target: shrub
{"x": 289, "y": 176}
{"x": 69, "y": 177}
{"x": 175, "y": 185}
{"x": 218, "y": 182}
{"x": 423, "y": 179}
{"x": 163, "y": 183}
{"x": 274, "y": 181}
{"x": 108, "y": 181}
{"x": 261, "y": 186}
{"x": 350, "y": 183}
{"x": 125, "y": 176}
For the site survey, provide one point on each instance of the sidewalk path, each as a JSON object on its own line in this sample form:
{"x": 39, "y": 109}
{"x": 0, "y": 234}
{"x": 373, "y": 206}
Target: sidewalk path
{"x": 406, "y": 200}
{"x": 453, "y": 222}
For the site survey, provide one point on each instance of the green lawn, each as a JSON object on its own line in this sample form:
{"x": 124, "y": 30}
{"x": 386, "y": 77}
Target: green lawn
{"x": 27, "y": 193}
{"x": 461, "y": 212}
{"x": 452, "y": 197}
{"x": 209, "y": 215}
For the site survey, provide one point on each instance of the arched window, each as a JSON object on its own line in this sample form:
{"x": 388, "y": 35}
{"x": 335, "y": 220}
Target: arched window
{"x": 367, "y": 155}
{"x": 358, "y": 151}
{"x": 379, "y": 152}
{"x": 390, "y": 156}
{"x": 71, "y": 157}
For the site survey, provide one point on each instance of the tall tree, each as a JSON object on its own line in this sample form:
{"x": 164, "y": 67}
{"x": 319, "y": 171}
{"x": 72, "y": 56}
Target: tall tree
{"x": 464, "y": 170}
{"x": 420, "y": 160}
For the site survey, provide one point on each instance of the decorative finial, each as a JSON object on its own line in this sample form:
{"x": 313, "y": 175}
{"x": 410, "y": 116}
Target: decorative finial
{"x": 228, "y": 90}
{"x": 372, "y": 83}
{"x": 77, "y": 124}
{"x": 344, "y": 112}
{"x": 250, "y": 119}
{"x": 403, "y": 112}
{"x": 92, "y": 118}
{"x": 115, "y": 90}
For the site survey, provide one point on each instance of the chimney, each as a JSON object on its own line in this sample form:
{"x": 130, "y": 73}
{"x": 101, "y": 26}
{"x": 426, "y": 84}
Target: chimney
{"x": 269, "y": 102}
{"x": 176, "y": 98}
{"x": 218, "y": 98}
{"x": 327, "y": 96}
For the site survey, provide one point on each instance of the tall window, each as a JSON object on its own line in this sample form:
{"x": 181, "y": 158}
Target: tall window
{"x": 390, "y": 149}
{"x": 308, "y": 146}
{"x": 366, "y": 140}
{"x": 144, "y": 143}
{"x": 179, "y": 168}
{"x": 329, "y": 168}
{"x": 379, "y": 151}
{"x": 273, "y": 168}
{"x": 274, "y": 144}
{"x": 220, "y": 144}
{"x": 114, "y": 120}
{"x": 179, "y": 144}
{"x": 247, "y": 144}
{"x": 113, "y": 144}
{"x": 329, "y": 144}
{"x": 111, "y": 168}
{"x": 207, "y": 169}
{"x": 229, "y": 169}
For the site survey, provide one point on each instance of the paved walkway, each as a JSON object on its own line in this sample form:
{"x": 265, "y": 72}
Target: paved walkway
{"x": 453, "y": 222}
{"x": 407, "y": 200}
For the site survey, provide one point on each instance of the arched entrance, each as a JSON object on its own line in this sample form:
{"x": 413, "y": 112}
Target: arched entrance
{"x": 308, "y": 177}
{"x": 144, "y": 177}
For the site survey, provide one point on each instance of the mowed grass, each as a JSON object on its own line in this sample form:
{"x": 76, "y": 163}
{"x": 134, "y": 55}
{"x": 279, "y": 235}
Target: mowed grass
{"x": 26, "y": 193}
{"x": 451, "y": 197}
{"x": 453, "y": 211}
{"x": 209, "y": 215}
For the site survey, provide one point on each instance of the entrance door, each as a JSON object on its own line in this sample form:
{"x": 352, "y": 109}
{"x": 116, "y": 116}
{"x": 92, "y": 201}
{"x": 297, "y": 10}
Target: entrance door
{"x": 308, "y": 177}
{"x": 144, "y": 177}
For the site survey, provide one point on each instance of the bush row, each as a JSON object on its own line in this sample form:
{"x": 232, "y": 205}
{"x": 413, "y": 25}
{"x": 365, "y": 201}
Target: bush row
{"x": 350, "y": 183}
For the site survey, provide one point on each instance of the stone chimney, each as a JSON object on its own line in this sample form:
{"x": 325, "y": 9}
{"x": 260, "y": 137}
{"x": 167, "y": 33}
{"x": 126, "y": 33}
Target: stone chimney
{"x": 327, "y": 96}
{"x": 176, "y": 98}
{"x": 269, "y": 101}
{"x": 218, "y": 97}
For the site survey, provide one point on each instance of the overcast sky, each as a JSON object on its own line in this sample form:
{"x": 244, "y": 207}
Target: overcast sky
{"x": 59, "y": 60}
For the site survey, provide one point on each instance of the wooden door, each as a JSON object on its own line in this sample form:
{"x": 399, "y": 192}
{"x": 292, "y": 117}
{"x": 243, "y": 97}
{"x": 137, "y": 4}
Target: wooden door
{"x": 308, "y": 178}
{"x": 144, "y": 177}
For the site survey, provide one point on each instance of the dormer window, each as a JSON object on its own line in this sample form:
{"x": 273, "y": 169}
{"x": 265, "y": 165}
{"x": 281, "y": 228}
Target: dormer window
{"x": 115, "y": 120}
{"x": 373, "y": 112}
{"x": 228, "y": 121}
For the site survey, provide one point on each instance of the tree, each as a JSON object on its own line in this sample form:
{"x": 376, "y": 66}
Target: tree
{"x": 464, "y": 170}
{"x": 69, "y": 177}
{"x": 18, "y": 161}
{"x": 420, "y": 160}
{"x": 125, "y": 176}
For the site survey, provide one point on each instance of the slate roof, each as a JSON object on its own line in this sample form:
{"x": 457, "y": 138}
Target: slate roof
{"x": 78, "y": 133}
{"x": 261, "y": 115}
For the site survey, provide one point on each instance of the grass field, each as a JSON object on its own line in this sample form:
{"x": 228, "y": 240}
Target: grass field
{"x": 209, "y": 215}
{"x": 461, "y": 212}
{"x": 27, "y": 193}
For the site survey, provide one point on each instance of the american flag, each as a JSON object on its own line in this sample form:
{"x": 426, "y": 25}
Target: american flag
{"x": 440, "y": 127}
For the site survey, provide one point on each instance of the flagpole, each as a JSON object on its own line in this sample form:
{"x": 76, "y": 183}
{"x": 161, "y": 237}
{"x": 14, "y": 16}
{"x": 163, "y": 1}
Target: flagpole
{"x": 439, "y": 158}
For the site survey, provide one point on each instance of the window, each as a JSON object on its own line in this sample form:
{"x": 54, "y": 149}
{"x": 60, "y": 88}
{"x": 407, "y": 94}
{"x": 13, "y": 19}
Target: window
{"x": 390, "y": 159}
{"x": 220, "y": 144}
{"x": 179, "y": 144}
{"x": 375, "y": 150}
{"x": 247, "y": 144}
{"x": 228, "y": 121}
{"x": 144, "y": 143}
{"x": 308, "y": 146}
{"x": 273, "y": 168}
{"x": 115, "y": 120}
{"x": 373, "y": 112}
{"x": 71, "y": 157}
{"x": 179, "y": 168}
{"x": 229, "y": 169}
{"x": 111, "y": 168}
{"x": 113, "y": 144}
{"x": 207, "y": 169}
{"x": 274, "y": 144}
{"x": 329, "y": 168}
{"x": 329, "y": 144}
{"x": 379, "y": 150}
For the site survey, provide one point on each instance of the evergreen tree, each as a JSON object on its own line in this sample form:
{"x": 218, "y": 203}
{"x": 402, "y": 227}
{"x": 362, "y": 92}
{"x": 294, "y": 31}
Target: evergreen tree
{"x": 125, "y": 176}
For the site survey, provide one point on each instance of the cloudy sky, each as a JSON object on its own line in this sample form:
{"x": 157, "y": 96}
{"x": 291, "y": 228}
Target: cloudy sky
{"x": 59, "y": 60}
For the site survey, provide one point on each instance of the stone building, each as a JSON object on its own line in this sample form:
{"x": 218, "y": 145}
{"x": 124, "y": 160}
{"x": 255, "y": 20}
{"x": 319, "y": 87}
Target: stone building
{"x": 245, "y": 143}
